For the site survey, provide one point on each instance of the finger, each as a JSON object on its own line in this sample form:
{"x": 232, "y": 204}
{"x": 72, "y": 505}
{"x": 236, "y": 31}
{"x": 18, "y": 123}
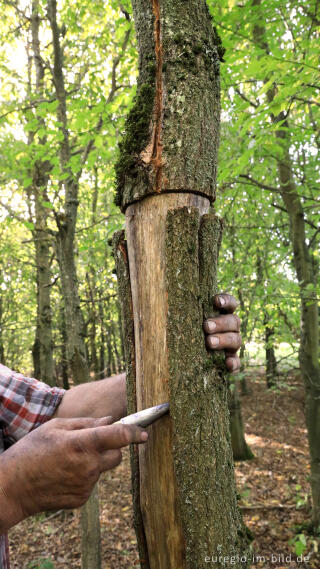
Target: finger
{"x": 222, "y": 323}
{"x": 233, "y": 363}
{"x": 227, "y": 341}
{"x": 111, "y": 437}
{"x": 110, "y": 459}
{"x": 225, "y": 302}
{"x": 81, "y": 423}
{"x": 103, "y": 421}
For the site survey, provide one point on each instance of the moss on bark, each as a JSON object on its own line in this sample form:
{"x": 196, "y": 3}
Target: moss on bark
{"x": 176, "y": 111}
{"x": 202, "y": 451}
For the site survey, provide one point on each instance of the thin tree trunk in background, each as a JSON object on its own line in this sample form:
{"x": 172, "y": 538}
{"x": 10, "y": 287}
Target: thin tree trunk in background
{"x": 102, "y": 364}
{"x": 92, "y": 287}
{"x": 108, "y": 340}
{"x": 271, "y": 362}
{"x": 75, "y": 329}
{"x": 307, "y": 273}
{"x": 245, "y": 315}
{"x": 44, "y": 315}
{"x": 166, "y": 178}
{"x": 42, "y": 351}
{"x": 94, "y": 364}
{"x": 64, "y": 359}
{"x": 243, "y": 381}
{"x": 240, "y": 448}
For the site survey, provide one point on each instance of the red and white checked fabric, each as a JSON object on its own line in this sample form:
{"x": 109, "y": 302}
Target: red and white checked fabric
{"x": 25, "y": 403}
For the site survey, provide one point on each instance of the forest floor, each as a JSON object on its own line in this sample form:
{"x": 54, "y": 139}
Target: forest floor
{"x": 275, "y": 497}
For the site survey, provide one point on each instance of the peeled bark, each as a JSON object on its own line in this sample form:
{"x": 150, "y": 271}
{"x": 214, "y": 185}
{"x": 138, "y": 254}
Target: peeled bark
{"x": 183, "y": 480}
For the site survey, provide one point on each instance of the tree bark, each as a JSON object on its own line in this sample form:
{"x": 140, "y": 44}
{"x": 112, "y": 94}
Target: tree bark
{"x": 271, "y": 362}
{"x": 183, "y": 479}
{"x": 307, "y": 275}
{"x": 240, "y": 449}
{"x": 42, "y": 351}
{"x": 75, "y": 329}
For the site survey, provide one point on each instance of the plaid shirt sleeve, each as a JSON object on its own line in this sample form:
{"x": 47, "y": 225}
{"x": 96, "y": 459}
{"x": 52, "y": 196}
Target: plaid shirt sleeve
{"x": 25, "y": 403}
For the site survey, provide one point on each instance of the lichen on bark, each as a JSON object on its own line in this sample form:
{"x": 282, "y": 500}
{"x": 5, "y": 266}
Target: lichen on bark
{"x": 202, "y": 452}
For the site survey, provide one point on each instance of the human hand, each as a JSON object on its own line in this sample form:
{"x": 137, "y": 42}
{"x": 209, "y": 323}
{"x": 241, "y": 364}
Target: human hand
{"x": 57, "y": 465}
{"x": 222, "y": 332}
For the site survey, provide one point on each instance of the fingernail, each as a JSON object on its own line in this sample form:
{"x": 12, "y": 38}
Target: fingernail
{"x": 222, "y": 300}
{"x": 144, "y": 436}
{"x": 211, "y": 326}
{"x": 214, "y": 341}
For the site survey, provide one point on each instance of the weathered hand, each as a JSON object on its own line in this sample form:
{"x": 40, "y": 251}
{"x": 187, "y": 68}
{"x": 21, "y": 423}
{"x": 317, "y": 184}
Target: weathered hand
{"x": 222, "y": 332}
{"x": 57, "y": 465}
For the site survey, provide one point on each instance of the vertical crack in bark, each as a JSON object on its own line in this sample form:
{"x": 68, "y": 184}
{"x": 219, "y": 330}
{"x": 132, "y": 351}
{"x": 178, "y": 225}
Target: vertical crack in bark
{"x": 157, "y": 144}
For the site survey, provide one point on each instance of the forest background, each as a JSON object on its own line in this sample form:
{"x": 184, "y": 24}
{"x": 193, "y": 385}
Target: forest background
{"x": 68, "y": 75}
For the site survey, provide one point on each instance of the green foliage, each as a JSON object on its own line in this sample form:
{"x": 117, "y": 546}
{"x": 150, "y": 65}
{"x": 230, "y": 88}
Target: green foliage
{"x": 264, "y": 78}
{"x": 99, "y": 70}
{"x": 260, "y": 79}
{"x": 299, "y": 543}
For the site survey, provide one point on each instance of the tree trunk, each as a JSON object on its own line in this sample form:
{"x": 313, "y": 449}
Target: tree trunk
{"x": 44, "y": 315}
{"x": 75, "y": 329}
{"x": 92, "y": 311}
{"x": 42, "y": 351}
{"x": 271, "y": 362}
{"x": 64, "y": 359}
{"x": 243, "y": 381}
{"x": 102, "y": 364}
{"x": 240, "y": 449}
{"x": 307, "y": 275}
{"x": 183, "y": 480}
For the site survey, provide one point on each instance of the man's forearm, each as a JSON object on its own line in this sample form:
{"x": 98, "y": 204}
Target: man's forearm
{"x": 95, "y": 399}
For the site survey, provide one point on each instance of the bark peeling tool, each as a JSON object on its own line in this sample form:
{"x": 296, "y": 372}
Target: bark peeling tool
{"x": 146, "y": 417}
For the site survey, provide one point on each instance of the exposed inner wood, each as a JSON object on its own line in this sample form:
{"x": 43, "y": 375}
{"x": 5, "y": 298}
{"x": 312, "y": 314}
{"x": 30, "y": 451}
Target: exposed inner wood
{"x": 145, "y": 229}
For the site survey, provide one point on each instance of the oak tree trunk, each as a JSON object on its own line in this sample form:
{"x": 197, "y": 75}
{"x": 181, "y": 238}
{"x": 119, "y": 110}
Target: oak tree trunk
{"x": 183, "y": 480}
